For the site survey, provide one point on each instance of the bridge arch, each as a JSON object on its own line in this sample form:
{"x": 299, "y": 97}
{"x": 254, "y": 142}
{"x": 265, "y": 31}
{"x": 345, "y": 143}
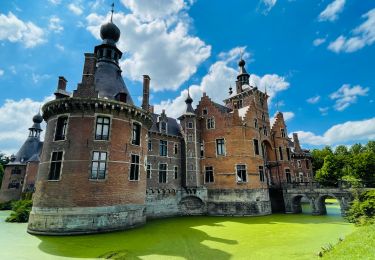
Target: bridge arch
{"x": 296, "y": 203}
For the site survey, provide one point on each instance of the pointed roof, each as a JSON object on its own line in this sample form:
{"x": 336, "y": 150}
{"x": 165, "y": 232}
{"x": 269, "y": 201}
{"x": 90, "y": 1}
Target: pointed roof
{"x": 189, "y": 101}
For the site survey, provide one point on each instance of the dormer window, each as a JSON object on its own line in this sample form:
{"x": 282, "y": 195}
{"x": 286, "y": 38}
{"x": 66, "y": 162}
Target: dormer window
{"x": 163, "y": 126}
{"x": 283, "y": 132}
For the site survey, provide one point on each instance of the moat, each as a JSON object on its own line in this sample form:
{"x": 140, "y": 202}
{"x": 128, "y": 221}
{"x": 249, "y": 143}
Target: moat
{"x": 277, "y": 236}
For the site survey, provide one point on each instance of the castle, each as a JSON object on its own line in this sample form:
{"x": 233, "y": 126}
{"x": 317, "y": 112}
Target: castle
{"x": 107, "y": 164}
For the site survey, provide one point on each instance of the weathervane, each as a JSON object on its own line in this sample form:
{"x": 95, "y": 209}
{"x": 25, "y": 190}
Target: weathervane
{"x": 112, "y": 10}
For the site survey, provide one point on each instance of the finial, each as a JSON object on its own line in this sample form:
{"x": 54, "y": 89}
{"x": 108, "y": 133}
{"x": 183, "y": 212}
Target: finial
{"x": 241, "y": 54}
{"x": 112, "y": 10}
{"x": 230, "y": 89}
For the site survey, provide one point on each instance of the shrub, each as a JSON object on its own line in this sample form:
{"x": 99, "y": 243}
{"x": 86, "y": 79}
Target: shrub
{"x": 21, "y": 211}
{"x": 362, "y": 210}
{"x": 6, "y": 205}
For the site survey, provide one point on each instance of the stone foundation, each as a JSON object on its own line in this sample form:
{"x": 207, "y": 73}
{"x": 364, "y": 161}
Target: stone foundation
{"x": 85, "y": 220}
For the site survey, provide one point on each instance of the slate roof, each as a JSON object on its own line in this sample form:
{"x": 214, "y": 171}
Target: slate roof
{"x": 173, "y": 128}
{"x": 28, "y": 151}
{"x": 222, "y": 108}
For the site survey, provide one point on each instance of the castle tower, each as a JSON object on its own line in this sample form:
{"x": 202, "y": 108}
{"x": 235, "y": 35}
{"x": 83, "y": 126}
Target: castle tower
{"x": 192, "y": 145}
{"x": 242, "y": 77}
{"x": 91, "y": 176}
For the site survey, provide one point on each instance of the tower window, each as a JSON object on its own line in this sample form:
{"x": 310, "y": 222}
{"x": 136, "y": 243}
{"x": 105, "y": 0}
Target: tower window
{"x": 190, "y": 138}
{"x": 102, "y": 128}
{"x": 149, "y": 145}
{"x": 134, "y": 168}
{"x": 202, "y": 150}
{"x": 265, "y": 130}
{"x": 162, "y": 173}
{"x": 16, "y": 170}
{"x": 163, "y": 148}
{"x": 61, "y": 125}
{"x": 281, "y": 153}
{"x": 220, "y": 147}
{"x": 209, "y": 174}
{"x": 148, "y": 171}
{"x": 288, "y": 176}
{"x": 205, "y": 111}
{"x": 241, "y": 173}
{"x": 175, "y": 148}
{"x": 55, "y": 167}
{"x": 263, "y": 117}
{"x": 256, "y": 146}
{"x": 255, "y": 123}
{"x": 108, "y": 53}
{"x": 190, "y": 125}
{"x": 299, "y": 164}
{"x": 288, "y": 153}
{"x": 98, "y": 165}
{"x": 261, "y": 174}
{"x": 175, "y": 172}
{"x": 210, "y": 123}
{"x": 283, "y": 132}
{"x": 136, "y": 136}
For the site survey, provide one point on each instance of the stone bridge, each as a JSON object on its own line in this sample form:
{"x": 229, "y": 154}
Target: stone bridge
{"x": 316, "y": 196}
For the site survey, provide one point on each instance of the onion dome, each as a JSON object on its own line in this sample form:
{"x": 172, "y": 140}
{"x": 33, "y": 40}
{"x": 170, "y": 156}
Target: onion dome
{"x": 110, "y": 32}
{"x": 38, "y": 118}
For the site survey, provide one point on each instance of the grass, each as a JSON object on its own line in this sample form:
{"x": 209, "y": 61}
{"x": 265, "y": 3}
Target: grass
{"x": 358, "y": 245}
{"x": 279, "y": 236}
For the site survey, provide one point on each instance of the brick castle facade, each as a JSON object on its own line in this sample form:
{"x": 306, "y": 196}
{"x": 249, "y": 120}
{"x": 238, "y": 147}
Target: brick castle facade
{"x": 107, "y": 164}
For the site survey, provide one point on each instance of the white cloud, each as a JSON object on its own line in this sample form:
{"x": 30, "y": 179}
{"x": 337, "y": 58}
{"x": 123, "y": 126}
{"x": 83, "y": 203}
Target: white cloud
{"x": 216, "y": 84}
{"x": 55, "y": 2}
{"x": 324, "y": 110}
{"x": 319, "y": 41}
{"x": 150, "y": 10}
{"x": 268, "y": 4}
{"x": 362, "y": 35}
{"x": 59, "y": 47}
{"x": 348, "y": 132}
{"x": 76, "y": 9}
{"x": 16, "y": 30}
{"x": 345, "y": 96}
{"x": 1, "y": 72}
{"x": 165, "y": 52}
{"x": 313, "y": 100}
{"x": 332, "y": 10}
{"x": 36, "y": 78}
{"x": 18, "y": 117}
{"x": 55, "y": 24}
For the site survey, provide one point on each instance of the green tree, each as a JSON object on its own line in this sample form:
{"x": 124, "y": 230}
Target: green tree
{"x": 370, "y": 146}
{"x": 356, "y": 149}
{"x": 318, "y": 157}
{"x": 363, "y": 165}
{"x": 341, "y": 150}
{"x": 331, "y": 171}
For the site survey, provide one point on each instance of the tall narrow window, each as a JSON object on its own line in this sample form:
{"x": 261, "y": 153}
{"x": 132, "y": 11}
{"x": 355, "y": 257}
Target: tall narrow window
{"x": 102, "y": 128}
{"x": 98, "y": 165}
{"x": 190, "y": 137}
{"x": 134, "y": 168}
{"x": 202, "y": 150}
{"x": 175, "y": 148}
{"x": 261, "y": 173}
{"x": 163, "y": 126}
{"x": 209, "y": 174}
{"x": 263, "y": 117}
{"x": 190, "y": 125}
{"x": 288, "y": 176}
{"x": 175, "y": 172}
{"x": 288, "y": 153}
{"x": 136, "y": 136}
{"x": 281, "y": 153}
{"x": 162, "y": 173}
{"x": 163, "y": 148}
{"x": 256, "y": 146}
{"x": 210, "y": 123}
{"x": 265, "y": 130}
{"x": 255, "y": 123}
{"x": 241, "y": 173}
{"x": 220, "y": 147}
{"x": 283, "y": 132}
{"x": 149, "y": 145}
{"x": 299, "y": 164}
{"x": 148, "y": 171}
{"x": 61, "y": 124}
{"x": 55, "y": 167}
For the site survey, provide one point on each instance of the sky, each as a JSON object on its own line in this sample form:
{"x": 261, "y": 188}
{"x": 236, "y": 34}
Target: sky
{"x": 316, "y": 58}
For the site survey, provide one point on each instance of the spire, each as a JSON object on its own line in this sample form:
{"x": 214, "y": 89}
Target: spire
{"x": 112, "y": 10}
{"x": 243, "y": 77}
{"x": 189, "y": 101}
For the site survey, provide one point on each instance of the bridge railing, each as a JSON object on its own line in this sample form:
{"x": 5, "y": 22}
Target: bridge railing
{"x": 316, "y": 185}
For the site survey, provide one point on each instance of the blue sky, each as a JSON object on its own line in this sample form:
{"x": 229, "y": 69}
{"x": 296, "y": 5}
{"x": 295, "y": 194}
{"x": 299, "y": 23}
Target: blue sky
{"x": 316, "y": 58}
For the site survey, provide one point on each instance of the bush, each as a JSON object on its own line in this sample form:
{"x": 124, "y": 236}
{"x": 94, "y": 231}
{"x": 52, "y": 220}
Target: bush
{"x": 6, "y": 205}
{"x": 21, "y": 211}
{"x": 362, "y": 210}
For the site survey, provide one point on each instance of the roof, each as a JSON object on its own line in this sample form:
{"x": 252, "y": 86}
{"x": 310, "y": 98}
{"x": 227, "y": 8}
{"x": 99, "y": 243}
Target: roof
{"x": 31, "y": 147}
{"x": 222, "y": 108}
{"x": 173, "y": 128}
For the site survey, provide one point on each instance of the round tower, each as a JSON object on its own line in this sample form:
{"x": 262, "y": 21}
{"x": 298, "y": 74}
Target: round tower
{"x": 92, "y": 173}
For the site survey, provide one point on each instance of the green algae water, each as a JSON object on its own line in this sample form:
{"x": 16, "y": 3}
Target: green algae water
{"x": 278, "y": 236}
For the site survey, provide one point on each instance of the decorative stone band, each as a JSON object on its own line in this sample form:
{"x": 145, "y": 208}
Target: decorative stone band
{"x": 85, "y": 220}
{"x": 72, "y": 104}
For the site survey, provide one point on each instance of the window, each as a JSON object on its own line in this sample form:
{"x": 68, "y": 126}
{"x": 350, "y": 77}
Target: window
{"x": 307, "y": 164}
{"x": 55, "y": 167}
{"x": 163, "y": 126}
{"x": 163, "y": 148}
{"x": 149, "y": 146}
{"x": 16, "y": 170}
{"x": 202, "y": 150}
{"x": 220, "y": 147}
{"x": 205, "y": 111}
{"x": 210, "y": 123}
{"x": 288, "y": 176}
{"x": 148, "y": 171}
{"x": 255, "y": 123}
{"x": 241, "y": 173}
{"x": 288, "y": 153}
{"x": 265, "y": 130}
{"x": 263, "y": 117}
{"x": 175, "y": 148}
{"x": 281, "y": 153}
{"x": 175, "y": 172}
{"x": 61, "y": 128}
{"x": 162, "y": 173}
{"x": 102, "y": 128}
{"x": 300, "y": 175}
{"x": 299, "y": 164}
{"x": 136, "y": 136}
{"x": 283, "y": 132}
{"x": 14, "y": 184}
{"x": 190, "y": 138}
{"x": 261, "y": 174}
{"x": 209, "y": 174}
{"x": 261, "y": 100}
{"x": 190, "y": 125}
{"x": 256, "y": 146}
{"x": 240, "y": 103}
{"x": 98, "y": 165}
{"x": 134, "y": 168}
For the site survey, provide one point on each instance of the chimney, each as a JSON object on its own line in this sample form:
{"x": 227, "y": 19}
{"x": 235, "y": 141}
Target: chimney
{"x": 151, "y": 109}
{"x": 89, "y": 69}
{"x": 297, "y": 146}
{"x": 62, "y": 83}
{"x": 146, "y": 92}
